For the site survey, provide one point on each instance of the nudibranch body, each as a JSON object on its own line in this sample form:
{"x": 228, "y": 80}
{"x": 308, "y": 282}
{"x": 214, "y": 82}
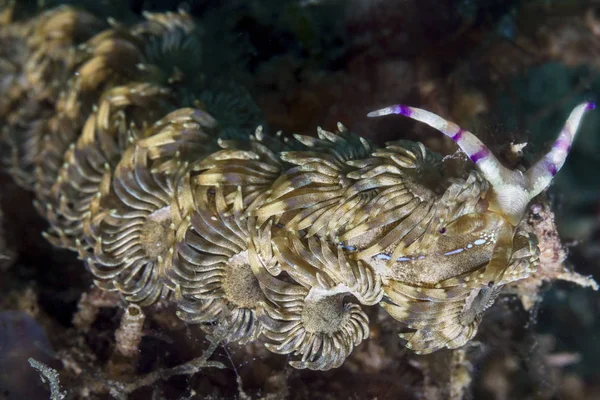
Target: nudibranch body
{"x": 262, "y": 238}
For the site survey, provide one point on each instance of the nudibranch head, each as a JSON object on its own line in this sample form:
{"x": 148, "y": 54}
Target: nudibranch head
{"x": 440, "y": 285}
{"x": 511, "y": 190}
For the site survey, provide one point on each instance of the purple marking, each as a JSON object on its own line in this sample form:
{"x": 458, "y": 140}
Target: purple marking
{"x": 402, "y": 110}
{"x": 590, "y": 105}
{"x": 552, "y": 169}
{"x": 458, "y": 135}
{"x": 563, "y": 144}
{"x": 483, "y": 153}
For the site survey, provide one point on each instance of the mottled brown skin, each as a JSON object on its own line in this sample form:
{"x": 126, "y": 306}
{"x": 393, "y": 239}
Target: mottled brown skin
{"x": 265, "y": 238}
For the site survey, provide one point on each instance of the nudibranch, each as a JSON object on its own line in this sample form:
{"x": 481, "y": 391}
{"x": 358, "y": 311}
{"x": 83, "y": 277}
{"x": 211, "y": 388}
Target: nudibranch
{"x": 256, "y": 237}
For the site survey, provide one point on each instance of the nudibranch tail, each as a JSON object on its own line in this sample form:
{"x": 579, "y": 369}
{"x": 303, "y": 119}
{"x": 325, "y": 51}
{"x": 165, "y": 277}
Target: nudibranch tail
{"x": 540, "y": 175}
{"x": 512, "y": 190}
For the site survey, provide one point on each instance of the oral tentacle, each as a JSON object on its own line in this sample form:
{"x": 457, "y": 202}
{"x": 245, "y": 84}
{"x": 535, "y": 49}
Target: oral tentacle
{"x": 474, "y": 148}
